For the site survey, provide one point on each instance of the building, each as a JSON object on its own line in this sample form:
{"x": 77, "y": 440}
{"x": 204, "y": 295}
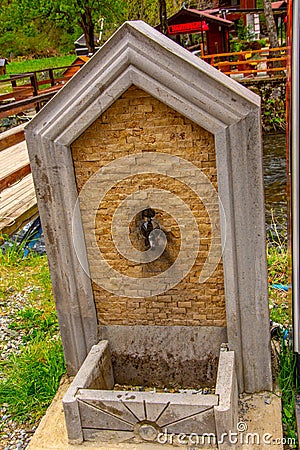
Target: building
{"x": 81, "y": 47}
{"x": 248, "y": 11}
{"x": 199, "y": 30}
{"x": 207, "y": 31}
{"x": 75, "y": 66}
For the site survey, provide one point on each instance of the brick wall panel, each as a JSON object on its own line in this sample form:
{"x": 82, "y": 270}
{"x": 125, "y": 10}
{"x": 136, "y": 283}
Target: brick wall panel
{"x": 137, "y": 123}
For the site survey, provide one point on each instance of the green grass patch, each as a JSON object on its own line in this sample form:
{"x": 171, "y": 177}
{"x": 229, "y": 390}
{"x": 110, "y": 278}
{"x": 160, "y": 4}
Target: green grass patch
{"x": 20, "y": 66}
{"x": 288, "y": 387}
{"x": 13, "y": 254}
{"x": 28, "y": 65}
{"x": 29, "y": 379}
{"x": 280, "y": 306}
{"x": 280, "y": 312}
{"x": 32, "y": 378}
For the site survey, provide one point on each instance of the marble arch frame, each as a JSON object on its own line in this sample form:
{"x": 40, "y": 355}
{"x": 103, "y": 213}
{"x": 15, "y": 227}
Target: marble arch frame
{"x": 137, "y": 54}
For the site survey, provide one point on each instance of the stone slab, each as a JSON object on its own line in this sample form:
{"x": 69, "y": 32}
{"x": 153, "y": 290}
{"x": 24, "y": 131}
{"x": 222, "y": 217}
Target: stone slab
{"x": 95, "y": 373}
{"x": 261, "y": 414}
{"x": 117, "y": 410}
{"x": 226, "y": 412}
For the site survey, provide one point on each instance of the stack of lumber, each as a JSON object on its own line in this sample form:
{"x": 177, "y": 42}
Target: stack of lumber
{"x": 17, "y": 194}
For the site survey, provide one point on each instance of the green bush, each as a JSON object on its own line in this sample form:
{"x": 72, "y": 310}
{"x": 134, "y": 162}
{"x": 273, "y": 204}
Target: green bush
{"x": 29, "y": 43}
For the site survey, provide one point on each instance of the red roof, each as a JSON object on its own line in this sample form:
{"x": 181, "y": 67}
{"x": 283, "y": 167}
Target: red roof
{"x": 196, "y": 14}
{"x": 206, "y": 15}
{"x": 278, "y": 5}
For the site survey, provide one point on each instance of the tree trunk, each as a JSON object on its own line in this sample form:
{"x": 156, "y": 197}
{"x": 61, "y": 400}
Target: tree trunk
{"x": 163, "y": 16}
{"x": 272, "y": 33}
{"x": 87, "y": 25}
{"x": 270, "y": 23}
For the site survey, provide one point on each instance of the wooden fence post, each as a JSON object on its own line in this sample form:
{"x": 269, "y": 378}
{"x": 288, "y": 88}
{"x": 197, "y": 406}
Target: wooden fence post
{"x": 35, "y": 87}
{"x": 51, "y": 76}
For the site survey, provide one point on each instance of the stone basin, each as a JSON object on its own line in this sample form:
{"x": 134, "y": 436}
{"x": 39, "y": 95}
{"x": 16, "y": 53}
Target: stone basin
{"x": 91, "y": 404}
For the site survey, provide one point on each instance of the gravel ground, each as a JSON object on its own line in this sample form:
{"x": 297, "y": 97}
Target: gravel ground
{"x": 12, "y": 435}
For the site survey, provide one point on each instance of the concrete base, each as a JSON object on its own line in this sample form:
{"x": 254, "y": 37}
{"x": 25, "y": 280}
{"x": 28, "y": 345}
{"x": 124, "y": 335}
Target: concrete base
{"x": 260, "y": 413}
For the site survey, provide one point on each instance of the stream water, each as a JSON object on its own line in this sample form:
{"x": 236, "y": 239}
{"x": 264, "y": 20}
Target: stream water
{"x": 274, "y": 146}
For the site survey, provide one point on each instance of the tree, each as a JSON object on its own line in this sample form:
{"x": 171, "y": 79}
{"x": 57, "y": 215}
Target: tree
{"x": 270, "y": 23}
{"x": 163, "y": 16}
{"x": 39, "y": 27}
{"x": 85, "y": 21}
{"x": 27, "y": 28}
{"x": 151, "y": 11}
{"x": 88, "y": 12}
{"x": 272, "y": 32}
{"x": 42, "y": 15}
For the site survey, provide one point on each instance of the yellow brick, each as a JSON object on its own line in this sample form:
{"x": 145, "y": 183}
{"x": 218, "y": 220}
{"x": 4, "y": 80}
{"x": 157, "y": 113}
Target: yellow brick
{"x": 138, "y": 123}
{"x": 184, "y": 304}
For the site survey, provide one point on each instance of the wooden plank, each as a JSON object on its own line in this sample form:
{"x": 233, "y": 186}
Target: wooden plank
{"x": 255, "y": 71}
{"x": 15, "y": 195}
{"x": 21, "y": 92}
{"x": 27, "y": 102}
{"x": 18, "y": 206}
{"x": 12, "y": 178}
{"x": 23, "y": 105}
{"x": 7, "y": 96}
{"x": 51, "y": 89}
{"x": 12, "y": 137}
{"x": 20, "y": 221}
{"x": 248, "y": 61}
{"x": 57, "y": 81}
{"x": 13, "y": 158}
{"x": 244, "y": 52}
{"x": 13, "y": 110}
{"x": 14, "y": 165}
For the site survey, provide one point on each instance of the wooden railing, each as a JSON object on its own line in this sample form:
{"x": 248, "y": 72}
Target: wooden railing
{"x": 33, "y": 89}
{"x": 267, "y": 61}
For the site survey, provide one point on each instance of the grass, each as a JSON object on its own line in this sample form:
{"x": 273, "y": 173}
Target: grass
{"x": 29, "y": 378}
{"x": 278, "y": 273}
{"x": 32, "y": 379}
{"x": 22, "y": 65}
{"x": 280, "y": 312}
{"x": 29, "y": 65}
